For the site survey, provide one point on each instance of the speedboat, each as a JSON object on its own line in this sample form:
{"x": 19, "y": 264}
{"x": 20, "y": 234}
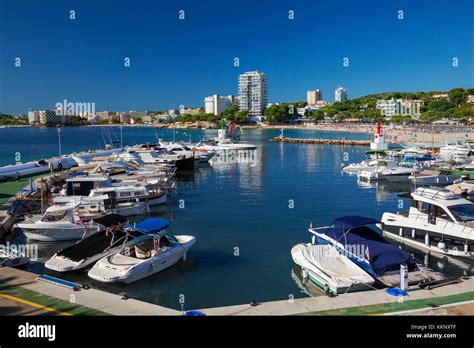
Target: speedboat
{"x": 433, "y": 177}
{"x": 353, "y": 168}
{"x": 438, "y": 221}
{"x": 399, "y": 174}
{"x": 200, "y": 156}
{"x": 144, "y": 256}
{"x": 59, "y": 223}
{"x": 152, "y": 154}
{"x": 220, "y": 145}
{"x": 375, "y": 169}
{"x": 357, "y": 238}
{"x": 454, "y": 147}
{"x": 331, "y": 271}
{"x": 88, "y": 250}
{"x": 35, "y": 167}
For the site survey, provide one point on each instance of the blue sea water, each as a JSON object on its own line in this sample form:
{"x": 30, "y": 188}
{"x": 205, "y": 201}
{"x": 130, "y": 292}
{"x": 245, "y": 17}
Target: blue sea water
{"x": 246, "y": 216}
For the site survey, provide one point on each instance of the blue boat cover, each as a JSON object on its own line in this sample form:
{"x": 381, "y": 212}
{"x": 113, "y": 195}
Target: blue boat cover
{"x": 152, "y": 225}
{"x": 350, "y": 222}
{"x": 382, "y": 256}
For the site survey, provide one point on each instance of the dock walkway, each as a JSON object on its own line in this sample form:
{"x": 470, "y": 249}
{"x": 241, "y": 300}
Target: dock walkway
{"x": 313, "y": 305}
{"x": 92, "y": 298}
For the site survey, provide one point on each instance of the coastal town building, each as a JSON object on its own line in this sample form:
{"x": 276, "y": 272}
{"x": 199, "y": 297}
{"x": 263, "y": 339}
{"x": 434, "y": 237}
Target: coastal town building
{"x": 125, "y": 117}
{"x": 33, "y": 116}
{"x": 51, "y": 118}
{"x": 215, "y": 104}
{"x": 312, "y": 97}
{"x": 388, "y": 107}
{"x": 253, "y": 94}
{"x": 340, "y": 94}
{"x": 403, "y": 107}
{"x": 190, "y": 111}
{"x": 440, "y": 96}
{"x": 410, "y": 107}
{"x": 470, "y": 98}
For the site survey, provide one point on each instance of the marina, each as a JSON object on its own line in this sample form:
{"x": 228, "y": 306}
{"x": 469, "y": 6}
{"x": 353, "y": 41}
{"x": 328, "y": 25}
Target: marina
{"x": 231, "y": 205}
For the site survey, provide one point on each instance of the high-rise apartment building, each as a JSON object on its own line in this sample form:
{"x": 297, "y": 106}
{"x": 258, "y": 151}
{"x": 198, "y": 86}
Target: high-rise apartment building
{"x": 253, "y": 93}
{"x": 314, "y": 96}
{"x": 340, "y": 94}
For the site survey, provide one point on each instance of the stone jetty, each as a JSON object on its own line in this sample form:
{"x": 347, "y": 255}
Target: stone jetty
{"x": 347, "y": 142}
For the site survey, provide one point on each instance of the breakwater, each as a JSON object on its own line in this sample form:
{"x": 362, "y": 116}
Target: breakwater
{"x": 347, "y": 142}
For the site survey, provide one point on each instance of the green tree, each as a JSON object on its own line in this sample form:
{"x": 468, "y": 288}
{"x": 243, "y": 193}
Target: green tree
{"x": 457, "y": 96}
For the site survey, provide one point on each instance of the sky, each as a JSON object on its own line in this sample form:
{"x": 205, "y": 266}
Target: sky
{"x": 177, "y": 62}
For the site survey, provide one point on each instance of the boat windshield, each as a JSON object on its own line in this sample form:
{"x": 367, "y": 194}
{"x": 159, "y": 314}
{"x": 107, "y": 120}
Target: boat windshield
{"x": 56, "y": 216}
{"x": 463, "y": 212}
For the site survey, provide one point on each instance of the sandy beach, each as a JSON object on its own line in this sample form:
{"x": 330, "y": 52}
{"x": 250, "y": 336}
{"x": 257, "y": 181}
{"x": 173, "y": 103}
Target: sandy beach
{"x": 398, "y": 134}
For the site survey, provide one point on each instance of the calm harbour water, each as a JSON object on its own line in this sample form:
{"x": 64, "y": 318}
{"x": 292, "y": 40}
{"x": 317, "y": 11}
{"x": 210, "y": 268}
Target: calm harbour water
{"x": 246, "y": 217}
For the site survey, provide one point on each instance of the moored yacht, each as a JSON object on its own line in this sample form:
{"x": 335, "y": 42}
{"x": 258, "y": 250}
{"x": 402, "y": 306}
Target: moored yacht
{"x": 60, "y": 222}
{"x": 433, "y": 177}
{"x": 438, "y": 220}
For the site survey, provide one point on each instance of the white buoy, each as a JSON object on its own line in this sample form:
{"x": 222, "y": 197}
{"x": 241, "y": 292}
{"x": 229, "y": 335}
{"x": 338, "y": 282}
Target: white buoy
{"x": 466, "y": 248}
{"x": 442, "y": 245}
{"x": 400, "y": 231}
{"x": 427, "y": 239}
{"x": 413, "y": 233}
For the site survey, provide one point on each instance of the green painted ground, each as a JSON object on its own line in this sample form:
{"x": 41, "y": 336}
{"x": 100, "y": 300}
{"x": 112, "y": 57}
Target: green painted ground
{"x": 47, "y": 301}
{"x": 398, "y": 307}
{"x": 10, "y": 188}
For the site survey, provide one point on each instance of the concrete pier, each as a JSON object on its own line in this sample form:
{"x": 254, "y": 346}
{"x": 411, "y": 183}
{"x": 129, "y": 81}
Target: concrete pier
{"x": 92, "y": 298}
{"x": 313, "y": 305}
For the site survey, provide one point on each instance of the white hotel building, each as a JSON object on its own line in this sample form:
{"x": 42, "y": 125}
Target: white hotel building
{"x": 340, "y": 94}
{"x": 253, "y": 93}
{"x": 215, "y": 104}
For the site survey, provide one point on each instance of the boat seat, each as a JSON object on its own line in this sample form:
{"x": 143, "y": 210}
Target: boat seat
{"x": 143, "y": 250}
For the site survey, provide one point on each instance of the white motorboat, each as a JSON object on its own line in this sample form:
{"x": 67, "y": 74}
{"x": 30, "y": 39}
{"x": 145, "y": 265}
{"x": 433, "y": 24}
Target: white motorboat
{"x": 143, "y": 257}
{"x": 433, "y": 178}
{"x": 129, "y": 193}
{"x": 353, "y": 168}
{"x": 101, "y": 204}
{"x": 57, "y": 224}
{"x": 330, "y": 270}
{"x": 220, "y": 145}
{"x": 438, "y": 221}
{"x": 35, "y": 167}
{"x": 399, "y": 174}
{"x": 156, "y": 155}
{"x": 88, "y": 250}
{"x": 375, "y": 169}
{"x": 199, "y": 156}
{"x": 454, "y": 147}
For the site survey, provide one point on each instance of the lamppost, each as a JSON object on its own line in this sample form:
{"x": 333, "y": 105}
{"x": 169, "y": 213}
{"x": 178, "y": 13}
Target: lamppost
{"x": 59, "y": 140}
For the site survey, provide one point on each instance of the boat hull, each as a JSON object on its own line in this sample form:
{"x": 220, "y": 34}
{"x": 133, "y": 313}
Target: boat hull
{"x": 54, "y": 234}
{"x": 103, "y": 271}
{"x": 435, "y": 238}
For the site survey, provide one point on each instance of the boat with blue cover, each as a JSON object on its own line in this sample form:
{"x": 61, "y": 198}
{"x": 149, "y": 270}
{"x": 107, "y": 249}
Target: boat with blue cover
{"x": 356, "y": 238}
